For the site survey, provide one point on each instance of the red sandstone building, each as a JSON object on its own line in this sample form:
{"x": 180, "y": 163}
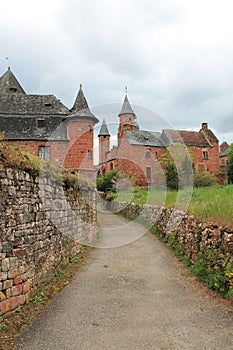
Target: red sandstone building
{"x": 138, "y": 152}
{"x": 43, "y": 126}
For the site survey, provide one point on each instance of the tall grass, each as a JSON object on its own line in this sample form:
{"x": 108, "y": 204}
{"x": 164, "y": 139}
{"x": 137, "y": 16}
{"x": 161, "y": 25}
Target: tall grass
{"x": 208, "y": 203}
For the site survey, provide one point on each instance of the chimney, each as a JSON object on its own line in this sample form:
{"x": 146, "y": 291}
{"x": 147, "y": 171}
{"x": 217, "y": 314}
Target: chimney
{"x": 204, "y": 126}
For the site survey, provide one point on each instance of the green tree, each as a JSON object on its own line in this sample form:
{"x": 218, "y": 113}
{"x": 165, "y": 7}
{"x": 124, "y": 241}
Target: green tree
{"x": 171, "y": 176}
{"x": 230, "y": 165}
{"x": 106, "y": 183}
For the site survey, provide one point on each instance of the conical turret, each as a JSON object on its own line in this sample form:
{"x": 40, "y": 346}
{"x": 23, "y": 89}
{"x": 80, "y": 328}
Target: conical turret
{"x": 104, "y": 142}
{"x": 104, "y": 129}
{"x": 81, "y": 109}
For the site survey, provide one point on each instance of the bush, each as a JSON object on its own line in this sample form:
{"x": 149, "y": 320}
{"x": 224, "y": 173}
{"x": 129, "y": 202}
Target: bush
{"x": 204, "y": 179}
{"x": 106, "y": 183}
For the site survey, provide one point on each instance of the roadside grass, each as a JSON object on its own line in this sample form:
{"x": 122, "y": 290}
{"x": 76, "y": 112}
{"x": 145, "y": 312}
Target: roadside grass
{"x": 207, "y": 203}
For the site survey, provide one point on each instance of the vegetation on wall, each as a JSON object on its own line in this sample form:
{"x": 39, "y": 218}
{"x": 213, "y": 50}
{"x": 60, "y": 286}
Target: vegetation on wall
{"x": 15, "y": 158}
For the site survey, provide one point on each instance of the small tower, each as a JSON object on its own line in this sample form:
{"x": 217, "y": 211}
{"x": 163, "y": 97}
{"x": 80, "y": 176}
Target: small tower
{"x": 80, "y": 127}
{"x": 127, "y": 118}
{"x": 104, "y": 142}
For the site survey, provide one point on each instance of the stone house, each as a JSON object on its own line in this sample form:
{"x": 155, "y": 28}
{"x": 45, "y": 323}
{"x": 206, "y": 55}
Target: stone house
{"x": 44, "y": 126}
{"x": 138, "y": 151}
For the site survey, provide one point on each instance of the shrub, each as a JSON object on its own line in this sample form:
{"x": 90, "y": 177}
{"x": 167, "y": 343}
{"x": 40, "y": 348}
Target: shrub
{"x": 204, "y": 179}
{"x": 106, "y": 183}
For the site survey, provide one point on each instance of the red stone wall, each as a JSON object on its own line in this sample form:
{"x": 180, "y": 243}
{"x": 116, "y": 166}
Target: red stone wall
{"x": 212, "y": 164}
{"x": 81, "y": 141}
{"x": 104, "y": 145}
{"x": 71, "y": 154}
{"x": 58, "y": 149}
{"x": 132, "y": 160}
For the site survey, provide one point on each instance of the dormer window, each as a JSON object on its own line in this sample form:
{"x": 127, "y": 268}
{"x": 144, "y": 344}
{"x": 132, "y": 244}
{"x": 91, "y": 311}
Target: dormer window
{"x": 48, "y": 104}
{"x": 40, "y": 123}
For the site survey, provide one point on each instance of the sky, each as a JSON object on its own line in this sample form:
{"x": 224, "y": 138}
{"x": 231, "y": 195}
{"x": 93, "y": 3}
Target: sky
{"x": 175, "y": 57}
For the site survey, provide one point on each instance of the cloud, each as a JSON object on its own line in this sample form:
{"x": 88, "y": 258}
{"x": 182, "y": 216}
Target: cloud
{"x": 174, "y": 55}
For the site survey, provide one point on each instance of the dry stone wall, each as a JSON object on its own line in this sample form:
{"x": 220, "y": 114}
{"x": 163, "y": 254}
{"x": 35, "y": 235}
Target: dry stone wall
{"x": 41, "y": 224}
{"x": 194, "y": 236}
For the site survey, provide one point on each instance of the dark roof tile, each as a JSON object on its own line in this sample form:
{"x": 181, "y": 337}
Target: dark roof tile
{"x": 144, "y": 138}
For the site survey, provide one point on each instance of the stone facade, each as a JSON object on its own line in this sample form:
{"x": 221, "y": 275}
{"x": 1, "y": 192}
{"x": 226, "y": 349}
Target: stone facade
{"x": 43, "y": 126}
{"x": 138, "y": 151}
{"x": 41, "y": 224}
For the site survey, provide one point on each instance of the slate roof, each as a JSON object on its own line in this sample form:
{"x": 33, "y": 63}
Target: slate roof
{"x": 209, "y": 134}
{"x": 20, "y": 104}
{"x": 81, "y": 109}
{"x": 29, "y": 117}
{"x": 225, "y": 152}
{"x": 9, "y": 84}
{"x": 126, "y": 107}
{"x": 104, "y": 129}
{"x": 189, "y": 138}
{"x": 27, "y": 128}
{"x": 143, "y": 138}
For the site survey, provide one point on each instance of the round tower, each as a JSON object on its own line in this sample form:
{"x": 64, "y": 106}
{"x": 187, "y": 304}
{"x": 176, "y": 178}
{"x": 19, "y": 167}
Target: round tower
{"x": 104, "y": 142}
{"x": 127, "y": 118}
{"x": 80, "y": 129}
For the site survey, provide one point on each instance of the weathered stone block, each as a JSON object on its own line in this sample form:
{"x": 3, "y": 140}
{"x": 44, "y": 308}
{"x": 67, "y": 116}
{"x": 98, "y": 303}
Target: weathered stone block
{"x": 16, "y": 272}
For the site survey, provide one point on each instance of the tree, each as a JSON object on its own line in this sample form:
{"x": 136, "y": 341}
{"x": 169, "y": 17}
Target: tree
{"x": 106, "y": 183}
{"x": 171, "y": 176}
{"x": 230, "y": 165}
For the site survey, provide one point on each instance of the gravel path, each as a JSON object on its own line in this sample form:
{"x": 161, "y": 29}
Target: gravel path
{"x": 132, "y": 297}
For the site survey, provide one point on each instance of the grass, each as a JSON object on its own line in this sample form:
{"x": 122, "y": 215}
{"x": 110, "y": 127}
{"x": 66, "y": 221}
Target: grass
{"x": 207, "y": 203}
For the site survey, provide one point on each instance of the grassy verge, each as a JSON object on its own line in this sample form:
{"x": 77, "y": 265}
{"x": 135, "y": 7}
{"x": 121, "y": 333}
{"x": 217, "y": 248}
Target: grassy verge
{"x": 207, "y": 203}
{"x": 13, "y": 323}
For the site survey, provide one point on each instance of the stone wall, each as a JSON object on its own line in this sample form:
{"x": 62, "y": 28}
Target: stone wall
{"x": 194, "y": 236}
{"x": 41, "y": 224}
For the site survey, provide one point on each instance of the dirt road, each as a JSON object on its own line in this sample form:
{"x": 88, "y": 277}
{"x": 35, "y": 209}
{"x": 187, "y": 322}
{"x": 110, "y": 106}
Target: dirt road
{"x": 132, "y": 297}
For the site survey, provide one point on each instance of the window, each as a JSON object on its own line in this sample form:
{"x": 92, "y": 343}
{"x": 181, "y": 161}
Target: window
{"x": 148, "y": 173}
{"x": 12, "y": 89}
{"x": 89, "y": 154}
{"x": 89, "y": 127}
{"x": 148, "y": 153}
{"x": 205, "y": 155}
{"x": 40, "y": 123}
{"x": 44, "y": 152}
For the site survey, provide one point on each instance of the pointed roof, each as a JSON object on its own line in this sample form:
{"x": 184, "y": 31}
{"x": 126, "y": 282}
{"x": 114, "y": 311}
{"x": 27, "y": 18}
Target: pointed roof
{"x": 81, "y": 109}
{"x": 126, "y": 107}
{"x": 9, "y": 84}
{"x": 104, "y": 130}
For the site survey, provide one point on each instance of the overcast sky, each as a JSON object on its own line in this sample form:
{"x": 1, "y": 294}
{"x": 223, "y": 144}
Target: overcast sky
{"x": 175, "y": 56}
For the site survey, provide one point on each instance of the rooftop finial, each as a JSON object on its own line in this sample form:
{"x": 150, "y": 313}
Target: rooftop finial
{"x": 8, "y": 61}
{"x": 126, "y": 89}
{"x": 81, "y": 86}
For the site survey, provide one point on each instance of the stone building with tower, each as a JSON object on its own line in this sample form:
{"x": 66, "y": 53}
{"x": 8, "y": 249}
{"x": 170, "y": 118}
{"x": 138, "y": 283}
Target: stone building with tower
{"x": 44, "y": 126}
{"x": 138, "y": 151}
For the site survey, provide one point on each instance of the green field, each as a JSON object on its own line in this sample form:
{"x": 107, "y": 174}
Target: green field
{"x": 209, "y": 203}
